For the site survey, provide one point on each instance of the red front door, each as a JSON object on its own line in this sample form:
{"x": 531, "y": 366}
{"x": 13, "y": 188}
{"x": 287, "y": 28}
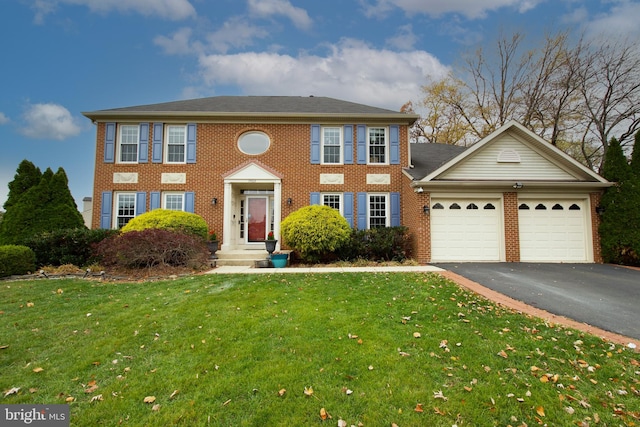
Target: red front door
{"x": 257, "y": 224}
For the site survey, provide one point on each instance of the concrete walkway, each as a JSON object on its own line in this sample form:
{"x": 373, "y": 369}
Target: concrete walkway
{"x": 229, "y": 269}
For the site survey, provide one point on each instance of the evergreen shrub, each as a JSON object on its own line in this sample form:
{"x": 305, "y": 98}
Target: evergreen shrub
{"x": 379, "y": 244}
{"x": 16, "y": 259}
{"x": 68, "y": 246}
{"x": 315, "y": 232}
{"x": 152, "y": 247}
{"x": 165, "y": 219}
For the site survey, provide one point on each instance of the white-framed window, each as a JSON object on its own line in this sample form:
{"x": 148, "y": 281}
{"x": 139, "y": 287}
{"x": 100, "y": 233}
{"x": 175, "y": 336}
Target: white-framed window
{"x": 378, "y": 212}
{"x": 173, "y": 201}
{"x": 128, "y": 143}
{"x": 331, "y": 145}
{"x": 176, "y": 146}
{"x": 333, "y": 200}
{"x": 378, "y": 145}
{"x": 125, "y": 209}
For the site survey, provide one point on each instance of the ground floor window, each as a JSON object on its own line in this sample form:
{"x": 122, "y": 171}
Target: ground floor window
{"x": 333, "y": 200}
{"x": 125, "y": 208}
{"x": 378, "y": 211}
{"x": 173, "y": 201}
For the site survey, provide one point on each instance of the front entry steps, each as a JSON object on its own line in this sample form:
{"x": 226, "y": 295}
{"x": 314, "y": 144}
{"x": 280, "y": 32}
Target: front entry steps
{"x": 246, "y": 257}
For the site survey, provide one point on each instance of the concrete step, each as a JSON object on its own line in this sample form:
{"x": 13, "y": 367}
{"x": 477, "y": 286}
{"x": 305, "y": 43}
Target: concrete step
{"x": 240, "y": 257}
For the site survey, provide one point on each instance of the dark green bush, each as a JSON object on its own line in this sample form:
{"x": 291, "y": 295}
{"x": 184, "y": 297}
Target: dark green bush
{"x": 378, "y": 244}
{"x": 165, "y": 219}
{"x": 68, "y": 246}
{"x": 15, "y": 259}
{"x": 152, "y": 247}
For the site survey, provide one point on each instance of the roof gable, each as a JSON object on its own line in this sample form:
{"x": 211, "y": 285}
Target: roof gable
{"x": 513, "y": 153}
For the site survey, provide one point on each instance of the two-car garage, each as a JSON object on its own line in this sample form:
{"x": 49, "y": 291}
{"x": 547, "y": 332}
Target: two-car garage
{"x": 473, "y": 229}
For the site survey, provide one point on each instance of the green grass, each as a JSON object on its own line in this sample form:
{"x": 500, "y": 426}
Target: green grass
{"x": 229, "y": 344}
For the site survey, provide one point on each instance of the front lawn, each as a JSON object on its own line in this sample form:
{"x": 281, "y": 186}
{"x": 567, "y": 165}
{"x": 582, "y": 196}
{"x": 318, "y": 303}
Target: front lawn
{"x": 289, "y": 350}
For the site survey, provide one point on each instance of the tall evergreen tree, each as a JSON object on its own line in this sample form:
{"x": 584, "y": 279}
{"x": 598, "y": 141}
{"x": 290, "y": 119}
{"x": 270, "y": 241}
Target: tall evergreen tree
{"x": 44, "y": 207}
{"x": 27, "y": 175}
{"x": 635, "y": 157}
{"x": 620, "y": 222}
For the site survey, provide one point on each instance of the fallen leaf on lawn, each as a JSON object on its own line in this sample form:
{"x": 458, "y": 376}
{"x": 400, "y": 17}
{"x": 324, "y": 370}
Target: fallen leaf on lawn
{"x": 36, "y": 370}
{"x": 324, "y": 414}
{"x": 3, "y": 347}
{"x": 97, "y": 398}
{"x": 417, "y": 335}
{"x": 175, "y": 392}
{"x": 394, "y": 425}
{"x": 353, "y": 337}
{"x": 438, "y": 411}
{"x": 91, "y": 389}
{"x": 584, "y": 404}
{"x": 540, "y": 411}
{"x": 569, "y": 410}
{"x": 11, "y": 391}
{"x": 70, "y": 399}
{"x": 149, "y": 399}
{"x": 467, "y": 388}
{"x": 30, "y": 304}
{"x": 438, "y": 395}
{"x": 226, "y": 402}
{"x": 596, "y": 418}
{"x": 342, "y": 423}
{"x": 308, "y": 391}
{"x": 371, "y": 367}
{"x": 534, "y": 369}
{"x": 418, "y": 408}
{"x": 155, "y": 408}
{"x": 502, "y": 353}
{"x": 282, "y": 391}
{"x": 544, "y": 379}
{"x": 33, "y": 390}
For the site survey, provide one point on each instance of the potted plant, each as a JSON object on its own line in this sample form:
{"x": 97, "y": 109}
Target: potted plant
{"x": 279, "y": 259}
{"x": 212, "y": 243}
{"x": 270, "y": 243}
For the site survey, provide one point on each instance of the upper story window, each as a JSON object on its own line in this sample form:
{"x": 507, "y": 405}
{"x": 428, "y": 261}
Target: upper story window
{"x": 254, "y": 143}
{"x": 173, "y": 201}
{"x": 331, "y": 145}
{"x": 176, "y": 143}
{"x": 377, "y": 145}
{"x": 128, "y": 144}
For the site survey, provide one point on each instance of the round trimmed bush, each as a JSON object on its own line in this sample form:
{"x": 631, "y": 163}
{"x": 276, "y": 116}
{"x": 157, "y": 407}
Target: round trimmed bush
{"x": 165, "y": 219}
{"x": 315, "y": 232}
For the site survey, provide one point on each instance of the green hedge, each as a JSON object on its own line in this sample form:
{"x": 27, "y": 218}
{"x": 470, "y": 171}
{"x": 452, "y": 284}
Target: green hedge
{"x": 16, "y": 260}
{"x": 69, "y": 246}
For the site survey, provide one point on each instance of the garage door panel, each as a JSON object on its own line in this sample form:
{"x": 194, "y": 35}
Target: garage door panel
{"x": 552, "y": 230}
{"x": 465, "y": 230}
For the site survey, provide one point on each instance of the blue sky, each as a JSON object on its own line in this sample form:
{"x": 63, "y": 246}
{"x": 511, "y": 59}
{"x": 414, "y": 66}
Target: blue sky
{"x": 63, "y": 57}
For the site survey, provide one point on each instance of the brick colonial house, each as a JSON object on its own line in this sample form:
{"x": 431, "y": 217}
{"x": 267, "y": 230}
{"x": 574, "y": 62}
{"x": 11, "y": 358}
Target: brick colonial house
{"x": 245, "y": 163}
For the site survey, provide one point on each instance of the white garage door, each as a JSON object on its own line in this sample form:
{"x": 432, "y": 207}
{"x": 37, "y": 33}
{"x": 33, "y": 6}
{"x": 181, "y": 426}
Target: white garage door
{"x": 466, "y": 230}
{"x": 552, "y": 230}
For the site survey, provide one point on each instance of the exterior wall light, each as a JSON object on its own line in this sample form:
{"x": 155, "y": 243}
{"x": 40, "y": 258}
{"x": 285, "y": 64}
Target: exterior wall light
{"x": 426, "y": 209}
{"x": 214, "y": 201}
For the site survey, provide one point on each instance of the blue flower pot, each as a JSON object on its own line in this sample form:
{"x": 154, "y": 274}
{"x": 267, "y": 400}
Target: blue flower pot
{"x": 279, "y": 260}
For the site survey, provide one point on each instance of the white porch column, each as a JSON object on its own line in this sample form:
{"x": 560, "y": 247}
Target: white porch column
{"x": 277, "y": 210}
{"x": 227, "y": 216}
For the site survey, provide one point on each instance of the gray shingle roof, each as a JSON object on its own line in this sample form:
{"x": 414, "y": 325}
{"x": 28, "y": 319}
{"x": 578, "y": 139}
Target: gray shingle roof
{"x": 261, "y": 104}
{"x": 428, "y": 157}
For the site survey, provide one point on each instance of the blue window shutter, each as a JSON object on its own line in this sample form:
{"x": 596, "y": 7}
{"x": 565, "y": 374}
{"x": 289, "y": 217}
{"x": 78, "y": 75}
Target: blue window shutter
{"x": 189, "y": 201}
{"x": 154, "y": 200}
{"x": 347, "y": 208}
{"x": 315, "y": 144}
{"x": 143, "y": 143}
{"x": 394, "y": 142}
{"x": 315, "y": 199}
{"x": 362, "y": 211}
{"x": 156, "y": 149}
{"x": 362, "y": 144}
{"x": 191, "y": 143}
{"x": 348, "y": 144}
{"x": 109, "y": 142}
{"x": 141, "y": 203}
{"x": 395, "y": 209}
{"x": 105, "y": 209}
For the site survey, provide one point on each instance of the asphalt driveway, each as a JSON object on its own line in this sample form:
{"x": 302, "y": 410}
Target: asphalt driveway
{"x": 605, "y": 296}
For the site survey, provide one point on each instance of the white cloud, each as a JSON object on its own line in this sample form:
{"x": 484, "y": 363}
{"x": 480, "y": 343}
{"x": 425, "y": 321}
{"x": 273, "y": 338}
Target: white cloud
{"x": 350, "y": 70}
{"x": 50, "y": 121}
{"x": 405, "y": 39}
{"x": 3, "y": 119}
{"x": 622, "y": 19}
{"x": 168, "y": 9}
{"x": 179, "y": 43}
{"x": 267, "y": 8}
{"x": 472, "y": 9}
{"x": 235, "y": 33}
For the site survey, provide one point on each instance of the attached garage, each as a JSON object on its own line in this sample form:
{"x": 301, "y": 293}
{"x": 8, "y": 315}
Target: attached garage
{"x": 553, "y": 230}
{"x": 466, "y": 229}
